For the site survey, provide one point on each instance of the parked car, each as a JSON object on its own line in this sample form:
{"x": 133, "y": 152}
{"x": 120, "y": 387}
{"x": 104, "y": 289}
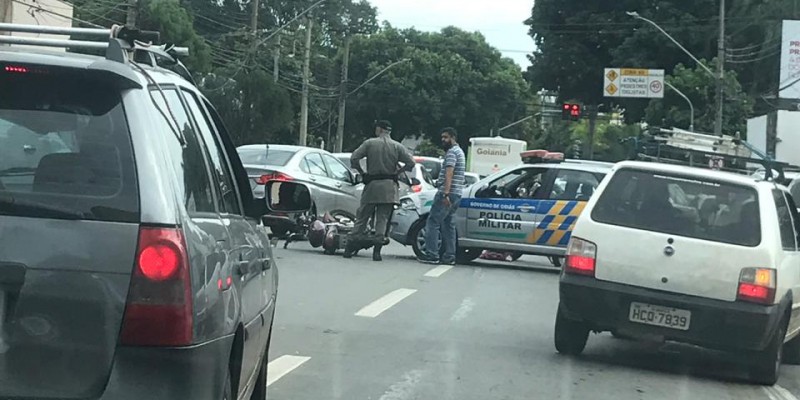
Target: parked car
{"x": 529, "y": 209}
{"x": 471, "y": 178}
{"x": 334, "y": 188}
{"x": 687, "y": 255}
{"x": 133, "y": 263}
{"x": 418, "y": 180}
{"x": 432, "y": 165}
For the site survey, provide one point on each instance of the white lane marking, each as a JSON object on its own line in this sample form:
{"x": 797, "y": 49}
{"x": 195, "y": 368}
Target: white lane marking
{"x": 386, "y": 302}
{"x": 404, "y": 389}
{"x": 438, "y": 271}
{"x": 282, "y": 365}
{"x": 464, "y": 310}
{"x": 777, "y": 392}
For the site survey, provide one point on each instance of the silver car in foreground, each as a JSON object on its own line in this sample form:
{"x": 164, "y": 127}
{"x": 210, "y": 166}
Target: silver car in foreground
{"x": 334, "y": 188}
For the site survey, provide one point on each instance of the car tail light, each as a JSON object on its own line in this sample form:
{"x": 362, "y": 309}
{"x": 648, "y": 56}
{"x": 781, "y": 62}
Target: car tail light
{"x": 416, "y": 188}
{"x": 274, "y": 176}
{"x": 581, "y": 256}
{"x": 159, "y": 307}
{"x": 757, "y": 285}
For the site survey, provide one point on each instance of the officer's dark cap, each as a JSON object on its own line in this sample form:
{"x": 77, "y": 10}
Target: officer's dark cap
{"x": 384, "y": 124}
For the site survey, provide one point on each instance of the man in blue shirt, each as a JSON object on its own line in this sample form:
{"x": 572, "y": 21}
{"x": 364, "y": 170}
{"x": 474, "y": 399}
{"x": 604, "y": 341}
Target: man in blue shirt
{"x": 440, "y": 220}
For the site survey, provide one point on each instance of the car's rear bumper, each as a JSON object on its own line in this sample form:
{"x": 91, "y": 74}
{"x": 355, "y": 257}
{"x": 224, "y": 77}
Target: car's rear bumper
{"x": 197, "y": 372}
{"x": 714, "y": 324}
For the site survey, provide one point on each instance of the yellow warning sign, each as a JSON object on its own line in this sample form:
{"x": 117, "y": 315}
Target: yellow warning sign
{"x": 612, "y": 75}
{"x": 611, "y": 89}
{"x": 634, "y": 72}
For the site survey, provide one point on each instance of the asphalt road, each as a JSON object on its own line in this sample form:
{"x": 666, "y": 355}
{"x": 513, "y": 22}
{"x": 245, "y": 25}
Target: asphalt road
{"x": 400, "y": 330}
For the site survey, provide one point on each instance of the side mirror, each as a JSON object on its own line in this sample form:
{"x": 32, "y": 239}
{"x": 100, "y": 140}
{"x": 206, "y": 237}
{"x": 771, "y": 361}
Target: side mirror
{"x": 415, "y": 182}
{"x": 287, "y": 197}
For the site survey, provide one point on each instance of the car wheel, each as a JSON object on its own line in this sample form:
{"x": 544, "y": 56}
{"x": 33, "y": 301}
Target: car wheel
{"x": 227, "y": 392}
{"x": 417, "y": 236}
{"x": 767, "y": 363}
{"x": 791, "y": 351}
{"x": 556, "y": 261}
{"x": 570, "y": 336}
{"x": 467, "y": 254}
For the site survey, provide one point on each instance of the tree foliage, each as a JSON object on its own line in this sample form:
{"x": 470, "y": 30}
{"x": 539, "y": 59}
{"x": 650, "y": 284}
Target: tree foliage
{"x": 451, "y": 78}
{"x": 576, "y": 40}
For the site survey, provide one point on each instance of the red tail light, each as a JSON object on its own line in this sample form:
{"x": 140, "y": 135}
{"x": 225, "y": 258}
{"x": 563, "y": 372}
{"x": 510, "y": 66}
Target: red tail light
{"x": 159, "y": 308}
{"x": 757, "y": 285}
{"x": 581, "y": 255}
{"x": 274, "y": 176}
{"x": 416, "y": 188}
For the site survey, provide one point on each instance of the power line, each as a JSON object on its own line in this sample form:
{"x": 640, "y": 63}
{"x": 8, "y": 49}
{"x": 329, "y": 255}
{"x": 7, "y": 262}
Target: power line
{"x": 58, "y": 14}
{"x": 773, "y": 54}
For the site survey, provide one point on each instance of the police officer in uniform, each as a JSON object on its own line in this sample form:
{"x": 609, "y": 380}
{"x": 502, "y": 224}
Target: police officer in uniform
{"x": 384, "y": 156}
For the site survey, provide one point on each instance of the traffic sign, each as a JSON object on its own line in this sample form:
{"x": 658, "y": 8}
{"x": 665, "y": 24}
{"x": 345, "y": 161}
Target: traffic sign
{"x": 633, "y": 82}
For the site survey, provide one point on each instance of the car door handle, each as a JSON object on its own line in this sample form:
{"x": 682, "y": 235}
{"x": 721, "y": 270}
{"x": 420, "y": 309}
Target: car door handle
{"x": 338, "y": 184}
{"x": 266, "y": 264}
{"x": 243, "y": 268}
{"x": 312, "y": 179}
{"x": 526, "y": 208}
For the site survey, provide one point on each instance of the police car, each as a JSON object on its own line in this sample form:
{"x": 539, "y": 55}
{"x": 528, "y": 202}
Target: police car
{"x": 529, "y": 209}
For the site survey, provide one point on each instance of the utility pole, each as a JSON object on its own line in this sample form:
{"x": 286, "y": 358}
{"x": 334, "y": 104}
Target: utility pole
{"x": 254, "y": 27}
{"x": 592, "y": 125}
{"x": 337, "y": 148}
{"x": 133, "y": 12}
{"x": 276, "y": 60}
{"x": 306, "y": 73}
{"x": 720, "y": 69}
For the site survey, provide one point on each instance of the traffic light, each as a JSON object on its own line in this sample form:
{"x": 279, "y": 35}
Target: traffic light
{"x": 570, "y": 111}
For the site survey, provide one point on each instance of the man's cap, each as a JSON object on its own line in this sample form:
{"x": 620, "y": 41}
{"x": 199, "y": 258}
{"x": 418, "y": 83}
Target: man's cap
{"x": 384, "y": 124}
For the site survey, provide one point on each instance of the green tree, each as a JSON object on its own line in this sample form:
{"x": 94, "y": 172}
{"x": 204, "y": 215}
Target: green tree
{"x": 253, "y": 107}
{"x": 700, "y": 87}
{"x": 452, "y": 78}
{"x": 576, "y": 40}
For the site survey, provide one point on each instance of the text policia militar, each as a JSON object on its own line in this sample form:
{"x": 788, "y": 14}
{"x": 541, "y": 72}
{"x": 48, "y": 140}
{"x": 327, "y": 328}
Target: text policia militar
{"x": 499, "y": 220}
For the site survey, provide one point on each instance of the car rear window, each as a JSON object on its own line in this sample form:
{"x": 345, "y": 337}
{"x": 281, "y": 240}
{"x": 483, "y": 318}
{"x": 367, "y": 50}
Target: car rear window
{"x": 65, "y": 149}
{"x": 680, "y": 205}
{"x": 272, "y": 157}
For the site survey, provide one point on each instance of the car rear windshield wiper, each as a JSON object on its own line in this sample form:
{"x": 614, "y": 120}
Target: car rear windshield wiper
{"x": 10, "y": 204}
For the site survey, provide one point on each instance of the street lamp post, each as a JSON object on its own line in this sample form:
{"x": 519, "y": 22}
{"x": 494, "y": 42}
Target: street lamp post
{"x": 691, "y": 106}
{"x": 720, "y": 67}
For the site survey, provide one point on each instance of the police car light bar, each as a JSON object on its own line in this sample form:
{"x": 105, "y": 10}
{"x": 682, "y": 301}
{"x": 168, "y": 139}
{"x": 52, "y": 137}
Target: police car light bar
{"x": 540, "y": 156}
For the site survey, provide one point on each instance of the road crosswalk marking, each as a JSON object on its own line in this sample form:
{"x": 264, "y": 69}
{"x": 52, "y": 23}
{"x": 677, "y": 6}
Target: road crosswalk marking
{"x": 282, "y": 365}
{"x": 386, "y": 302}
{"x": 777, "y": 392}
{"x": 438, "y": 271}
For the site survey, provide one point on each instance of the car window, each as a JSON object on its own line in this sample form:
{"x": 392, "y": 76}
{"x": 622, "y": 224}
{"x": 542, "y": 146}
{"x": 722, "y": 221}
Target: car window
{"x": 794, "y": 189}
{"x": 266, "y": 156}
{"x": 315, "y": 165}
{"x": 573, "y": 185}
{"x": 337, "y": 169}
{"x": 526, "y": 183}
{"x": 227, "y": 197}
{"x": 716, "y": 211}
{"x": 189, "y": 161}
{"x": 65, "y": 149}
{"x": 785, "y": 222}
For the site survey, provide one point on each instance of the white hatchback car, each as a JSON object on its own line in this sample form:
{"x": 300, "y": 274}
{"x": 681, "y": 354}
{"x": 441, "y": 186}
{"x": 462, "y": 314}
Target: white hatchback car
{"x": 687, "y": 255}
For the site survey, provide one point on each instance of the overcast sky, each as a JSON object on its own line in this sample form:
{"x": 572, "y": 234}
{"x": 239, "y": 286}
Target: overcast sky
{"x": 500, "y": 21}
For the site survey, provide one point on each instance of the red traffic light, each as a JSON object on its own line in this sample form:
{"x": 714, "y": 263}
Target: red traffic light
{"x": 571, "y": 111}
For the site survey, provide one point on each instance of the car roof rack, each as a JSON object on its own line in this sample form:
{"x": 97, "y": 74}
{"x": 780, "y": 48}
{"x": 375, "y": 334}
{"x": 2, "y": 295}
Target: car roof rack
{"x": 121, "y": 44}
{"x": 681, "y": 147}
